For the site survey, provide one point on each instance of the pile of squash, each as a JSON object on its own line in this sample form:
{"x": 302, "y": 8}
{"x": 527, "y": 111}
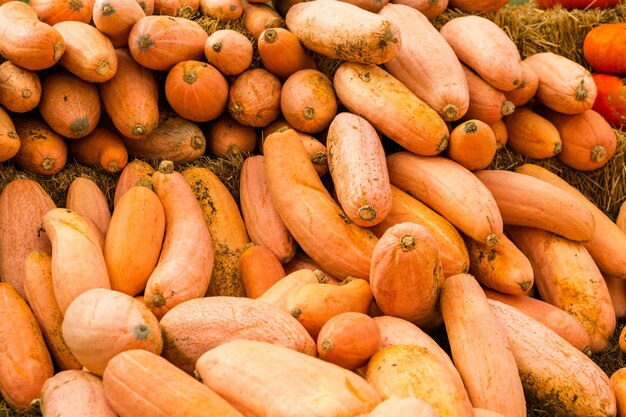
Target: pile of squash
{"x": 367, "y": 220}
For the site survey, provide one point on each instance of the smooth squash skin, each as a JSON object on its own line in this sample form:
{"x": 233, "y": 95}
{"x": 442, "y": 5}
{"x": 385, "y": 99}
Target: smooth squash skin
{"x": 526, "y": 201}
{"x": 308, "y": 101}
{"x": 115, "y": 18}
{"x": 9, "y": 140}
{"x": 259, "y": 269}
{"x": 288, "y": 167}
{"x": 391, "y": 107}
{"x": 486, "y": 48}
{"x": 413, "y": 371}
{"x": 227, "y": 229}
{"x": 502, "y": 267}
{"x": 443, "y": 87}
{"x": 308, "y": 385}
{"x": 258, "y": 16}
{"x": 282, "y": 53}
{"x": 356, "y": 160}
{"x": 480, "y": 348}
{"x": 549, "y": 315}
{"x": 229, "y": 51}
{"x": 20, "y": 26}
{"x": 101, "y": 148}
{"x": 137, "y": 172}
{"x": 450, "y": 190}
{"x": 607, "y": 239}
{"x": 133, "y": 242}
{"x": 532, "y": 135}
{"x": 567, "y": 277}
{"x": 141, "y": 383}
{"x": 344, "y": 31}
{"x": 618, "y": 383}
{"x": 472, "y": 144}
{"x": 55, "y": 11}
{"x": 403, "y": 407}
{"x": 74, "y": 392}
{"x": 277, "y": 293}
{"x": 473, "y": 6}
{"x": 263, "y": 223}
{"x": 39, "y": 293}
{"x": 23, "y": 203}
{"x": 25, "y": 363}
{"x": 487, "y": 103}
{"x": 452, "y": 249}
{"x": 77, "y": 260}
{"x": 185, "y": 265}
{"x": 576, "y": 387}
{"x": 41, "y": 150}
{"x": 20, "y": 89}
{"x": 526, "y": 90}
{"x": 199, "y": 325}
{"x": 86, "y": 198}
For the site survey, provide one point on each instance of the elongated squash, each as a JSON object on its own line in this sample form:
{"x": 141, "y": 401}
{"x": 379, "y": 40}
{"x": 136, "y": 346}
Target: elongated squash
{"x": 576, "y": 387}
{"x": 502, "y": 267}
{"x": 25, "y": 363}
{"x": 39, "y": 293}
{"x": 607, "y": 240}
{"x": 356, "y": 160}
{"x": 41, "y": 150}
{"x": 549, "y": 315}
{"x": 526, "y": 201}
{"x": 77, "y": 260}
{"x": 101, "y": 148}
{"x": 567, "y": 277}
{"x": 390, "y": 107}
{"x": 277, "y": 293}
{"x": 526, "y": 90}
{"x": 199, "y": 325}
{"x": 259, "y": 269}
{"x": 263, "y": 223}
{"x": 185, "y": 265}
{"x": 444, "y": 88}
{"x": 487, "y": 103}
{"x": 74, "y": 392}
{"x": 138, "y": 382}
{"x": 23, "y": 203}
{"x": 486, "y": 48}
{"x": 403, "y": 407}
{"x": 20, "y": 89}
{"x": 86, "y": 198}
{"x": 9, "y": 140}
{"x": 227, "y": 229}
{"x": 480, "y": 348}
{"x": 330, "y": 28}
{"x": 288, "y": 168}
{"x": 452, "y": 249}
{"x": 308, "y": 386}
{"x": 450, "y": 190}
{"x": 532, "y": 135}
{"x": 133, "y": 243}
{"x": 137, "y": 172}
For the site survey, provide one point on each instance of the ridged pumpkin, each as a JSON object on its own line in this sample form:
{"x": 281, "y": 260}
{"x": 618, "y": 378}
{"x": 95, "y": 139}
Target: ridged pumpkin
{"x": 611, "y": 99}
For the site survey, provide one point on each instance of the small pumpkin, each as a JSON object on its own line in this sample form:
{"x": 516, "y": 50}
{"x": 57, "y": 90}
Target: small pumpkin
{"x": 20, "y": 88}
{"x": 9, "y": 140}
{"x": 308, "y": 101}
{"x": 227, "y": 136}
{"x": 222, "y": 9}
{"x": 611, "y": 99}
{"x": 254, "y": 98}
{"x": 41, "y": 150}
{"x": 282, "y": 53}
{"x": 229, "y": 51}
{"x": 115, "y": 18}
{"x": 472, "y": 144}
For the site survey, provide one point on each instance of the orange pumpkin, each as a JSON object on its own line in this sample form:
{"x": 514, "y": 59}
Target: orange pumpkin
{"x": 115, "y": 18}
{"x": 229, "y": 51}
{"x": 526, "y": 90}
{"x": 196, "y": 90}
{"x": 9, "y": 140}
{"x": 282, "y": 54}
{"x": 20, "y": 89}
{"x": 227, "y": 136}
{"x": 472, "y": 144}
{"x": 254, "y": 98}
{"x": 101, "y": 148}
{"x": 185, "y": 9}
{"x": 222, "y": 9}
{"x": 55, "y": 11}
{"x": 41, "y": 150}
{"x": 137, "y": 172}
{"x": 611, "y": 99}
{"x": 259, "y": 16}
{"x": 604, "y": 49}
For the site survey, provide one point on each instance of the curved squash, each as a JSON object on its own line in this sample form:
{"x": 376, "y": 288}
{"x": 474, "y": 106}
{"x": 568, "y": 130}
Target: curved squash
{"x": 137, "y": 172}
{"x": 85, "y": 198}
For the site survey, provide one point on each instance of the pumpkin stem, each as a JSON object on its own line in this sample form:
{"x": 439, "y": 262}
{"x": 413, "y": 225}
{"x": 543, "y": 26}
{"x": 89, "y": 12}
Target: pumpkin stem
{"x": 107, "y": 9}
{"x": 103, "y": 67}
{"x": 144, "y": 42}
{"x": 470, "y": 128}
{"x": 75, "y": 5}
{"x": 142, "y": 331}
{"x": 79, "y": 126}
{"x": 166, "y": 167}
{"x": 367, "y": 212}
{"x": 507, "y": 108}
{"x": 407, "y": 243}
{"x": 433, "y": 2}
{"x": 525, "y": 285}
{"x": 59, "y": 48}
{"x": 587, "y": 351}
{"x": 319, "y": 158}
{"x": 557, "y": 147}
{"x": 157, "y": 300}
{"x": 521, "y": 85}
{"x": 112, "y": 167}
{"x": 190, "y": 77}
{"x": 581, "y": 91}
{"x": 443, "y": 144}
{"x": 492, "y": 239}
{"x": 48, "y": 163}
{"x": 26, "y": 93}
{"x": 217, "y": 46}
{"x": 274, "y": 22}
{"x": 270, "y": 35}
{"x": 139, "y": 130}
{"x": 598, "y": 153}
{"x": 309, "y": 112}
{"x": 237, "y": 108}
{"x": 327, "y": 345}
{"x": 145, "y": 182}
{"x": 450, "y": 111}
{"x": 321, "y": 277}
{"x": 12, "y": 135}
{"x": 296, "y": 312}
{"x": 197, "y": 142}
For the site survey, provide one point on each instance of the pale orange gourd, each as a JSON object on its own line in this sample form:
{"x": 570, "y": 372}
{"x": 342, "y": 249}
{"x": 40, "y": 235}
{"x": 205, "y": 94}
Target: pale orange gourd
{"x": 618, "y": 383}
{"x": 41, "y": 150}
{"x": 259, "y": 270}
{"x": 501, "y": 133}
{"x": 277, "y": 293}
{"x": 185, "y": 265}
{"x": 472, "y": 144}
{"x": 526, "y": 90}
{"x": 474, "y": 6}
{"x": 133, "y": 242}
{"x": 258, "y": 16}
{"x": 532, "y": 135}
{"x": 20, "y": 89}
{"x": 185, "y": 9}
{"x": 254, "y": 98}
{"x": 74, "y": 392}
{"x": 282, "y": 53}
{"x": 229, "y": 51}
{"x": 222, "y": 9}
{"x": 429, "y": 8}
{"x": 101, "y": 148}
{"x": 137, "y": 172}
{"x": 115, "y": 18}
{"x": 226, "y": 136}
{"x": 55, "y": 11}
{"x": 403, "y": 407}
{"x": 487, "y": 103}
{"x": 307, "y": 101}
{"x": 85, "y": 198}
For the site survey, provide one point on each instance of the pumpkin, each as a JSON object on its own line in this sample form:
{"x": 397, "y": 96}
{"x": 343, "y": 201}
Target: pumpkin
{"x": 226, "y": 136}
{"x": 618, "y": 383}
{"x": 429, "y": 8}
{"x": 196, "y": 90}
{"x": 25, "y": 40}
{"x": 487, "y": 103}
{"x": 307, "y": 101}
{"x": 474, "y": 6}
{"x": 472, "y": 144}
{"x": 137, "y": 172}
{"x": 258, "y": 16}
{"x": 101, "y": 148}
{"x": 526, "y": 90}
{"x": 41, "y": 150}
{"x": 501, "y": 133}
{"x": 259, "y": 269}
{"x": 9, "y": 140}
{"x": 229, "y": 51}
{"x": 86, "y": 198}
{"x": 611, "y": 99}
{"x": 115, "y": 18}
{"x": 55, "y": 11}
{"x": 403, "y": 407}
{"x": 133, "y": 242}
{"x": 282, "y": 54}
{"x": 89, "y": 54}
{"x": 100, "y": 323}
{"x": 74, "y": 391}
{"x": 222, "y": 9}
{"x": 254, "y": 98}
{"x": 344, "y": 31}
{"x": 532, "y": 135}
{"x": 70, "y": 105}
{"x": 20, "y": 89}
{"x": 160, "y": 42}
{"x": 179, "y": 8}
